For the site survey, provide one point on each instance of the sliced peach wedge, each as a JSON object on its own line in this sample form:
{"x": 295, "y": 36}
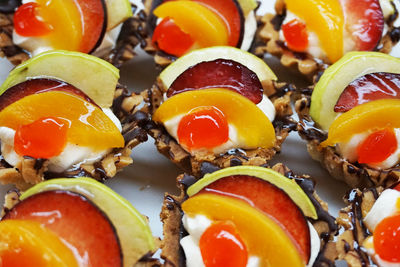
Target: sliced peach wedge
{"x": 262, "y": 236}
{"x": 252, "y": 125}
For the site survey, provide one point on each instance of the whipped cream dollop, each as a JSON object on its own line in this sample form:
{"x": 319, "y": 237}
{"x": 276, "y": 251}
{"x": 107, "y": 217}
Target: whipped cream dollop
{"x": 171, "y": 125}
{"x": 315, "y": 49}
{"x": 195, "y": 226}
{"x": 37, "y": 45}
{"x": 386, "y": 205}
{"x": 349, "y": 150}
{"x": 71, "y": 155}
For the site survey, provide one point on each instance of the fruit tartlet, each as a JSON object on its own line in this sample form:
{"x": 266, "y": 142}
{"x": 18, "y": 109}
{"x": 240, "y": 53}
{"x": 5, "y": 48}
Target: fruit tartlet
{"x": 63, "y": 114}
{"x": 104, "y": 28}
{"x": 219, "y": 106}
{"x": 175, "y": 28}
{"x": 73, "y": 222}
{"x": 250, "y": 216}
{"x": 310, "y": 35}
{"x": 370, "y": 226}
{"x": 350, "y": 119}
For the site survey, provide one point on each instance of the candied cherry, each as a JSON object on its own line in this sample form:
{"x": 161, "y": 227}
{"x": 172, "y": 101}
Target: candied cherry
{"x": 27, "y": 21}
{"x": 203, "y": 127}
{"x": 387, "y": 238}
{"x": 377, "y": 147}
{"x": 221, "y": 245}
{"x": 43, "y": 138}
{"x": 296, "y": 36}
{"x": 171, "y": 39}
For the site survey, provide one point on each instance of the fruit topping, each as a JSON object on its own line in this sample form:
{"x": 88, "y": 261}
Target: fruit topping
{"x": 397, "y": 187}
{"x": 261, "y": 234}
{"x": 204, "y": 26}
{"x": 254, "y": 63}
{"x": 253, "y": 127}
{"x": 219, "y": 73}
{"x": 95, "y": 77}
{"x": 369, "y": 87}
{"x": 77, "y": 221}
{"x": 89, "y": 125}
{"x": 378, "y": 114}
{"x": 194, "y": 128}
{"x": 131, "y": 227}
{"x": 377, "y": 147}
{"x": 296, "y": 36}
{"x": 27, "y": 21}
{"x": 231, "y": 14}
{"x": 43, "y": 138}
{"x": 221, "y": 245}
{"x": 364, "y": 21}
{"x": 27, "y": 243}
{"x": 278, "y": 205}
{"x": 325, "y": 18}
{"x": 37, "y": 86}
{"x": 171, "y": 39}
{"x": 387, "y": 239}
{"x": 338, "y": 76}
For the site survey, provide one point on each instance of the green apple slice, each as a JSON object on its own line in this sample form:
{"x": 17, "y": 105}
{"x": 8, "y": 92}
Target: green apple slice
{"x": 132, "y": 228}
{"x": 94, "y": 76}
{"x": 251, "y": 61}
{"x": 117, "y": 12}
{"x": 247, "y": 6}
{"x": 288, "y": 185}
{"x": 336, "y": 78}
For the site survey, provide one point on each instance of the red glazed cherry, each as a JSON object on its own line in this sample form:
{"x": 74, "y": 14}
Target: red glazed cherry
{"x": 27, "y": 21}
{"x": 171, "y": 39}
{"x": 43, "y": 138}
{"x": 387, "y": 239}
{"x": 296, "y": 36}
{"x": 377, "y": 147}
{"x": 221, "y": 245}
{"x": 204, "y": 127}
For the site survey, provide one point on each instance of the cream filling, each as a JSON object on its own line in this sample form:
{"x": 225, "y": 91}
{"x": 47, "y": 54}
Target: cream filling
{"x": 195, "y": 226}
{"x": 234, "y": 141}
{"x": 386, "y": 205}
{"x": 37, "y": 45}
{"x": 314, "y": 47}
{"x": 349, "y": 150}
{"x": 70, "y": 156}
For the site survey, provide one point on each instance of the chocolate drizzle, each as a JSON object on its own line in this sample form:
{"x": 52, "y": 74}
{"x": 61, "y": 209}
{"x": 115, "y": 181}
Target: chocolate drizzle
{"x": 9, "y": 6}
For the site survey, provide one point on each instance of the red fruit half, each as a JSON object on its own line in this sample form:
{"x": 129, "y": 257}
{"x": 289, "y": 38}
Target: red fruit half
{"x": 36, "y": 86}
{"x": 94, "y": 24}
{"x": 232, "y": 14}
{"x": 219, "y": 73}
{"x": 367, "y": 88}
{"x": 364, "y": 20}
{"x": 271, "y": 200}
{"x": 77, "y": 221}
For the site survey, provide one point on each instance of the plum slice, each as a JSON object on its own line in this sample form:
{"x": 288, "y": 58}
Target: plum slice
{"x": 271, "y": 200}
{"x": 75, "y": 219}
{"x": 364, "y": 20}
{"x": 219, "y": 73}
{"x": 367, "y": 88}
{"x": 36, "y": 86}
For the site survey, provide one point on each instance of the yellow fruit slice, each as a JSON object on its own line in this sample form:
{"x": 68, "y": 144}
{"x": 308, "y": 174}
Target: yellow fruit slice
{"x": 195, "y": 19}
{"x": 253, "y": 126}
{"x": 90, "y": 126}
{"x": 27, "y": 243}
{"x": 373, "y": 115}
{"x": 263, "y": 237}
{"x": 325, "y": 18}
{"x": 65, "y": 19}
